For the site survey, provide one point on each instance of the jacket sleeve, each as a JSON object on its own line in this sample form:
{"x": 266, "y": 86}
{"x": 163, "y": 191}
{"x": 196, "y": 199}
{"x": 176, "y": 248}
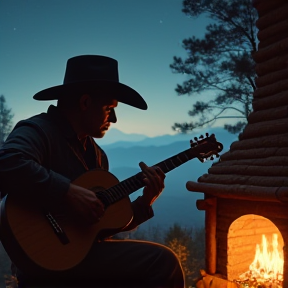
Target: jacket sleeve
{"x": 141, "y": 212}
{"x": 23, "y": 166}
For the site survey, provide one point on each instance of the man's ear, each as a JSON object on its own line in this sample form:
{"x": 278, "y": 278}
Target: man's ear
{"x": 84, "y": 102}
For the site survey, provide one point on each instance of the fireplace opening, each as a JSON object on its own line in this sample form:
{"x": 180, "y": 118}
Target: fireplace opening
{"x": 255, "y": 252}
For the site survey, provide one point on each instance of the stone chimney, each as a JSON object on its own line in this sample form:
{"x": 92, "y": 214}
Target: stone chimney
{"x": 253, "y": 174}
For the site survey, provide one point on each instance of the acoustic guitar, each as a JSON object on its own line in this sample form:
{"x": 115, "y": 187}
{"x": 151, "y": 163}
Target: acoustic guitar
{"x": 38, "y": 239}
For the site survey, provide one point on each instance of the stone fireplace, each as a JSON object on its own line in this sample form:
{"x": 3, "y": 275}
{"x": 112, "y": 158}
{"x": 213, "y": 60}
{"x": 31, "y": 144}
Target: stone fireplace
{"x": 246, "y": 192}
{"x": 234, "y": 228}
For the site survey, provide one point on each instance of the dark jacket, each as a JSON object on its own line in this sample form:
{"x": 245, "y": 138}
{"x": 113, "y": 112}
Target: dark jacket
{"x": 42, "y": 155}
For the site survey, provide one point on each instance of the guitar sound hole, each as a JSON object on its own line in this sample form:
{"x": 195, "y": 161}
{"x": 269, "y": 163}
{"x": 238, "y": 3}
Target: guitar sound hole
{"x": 96, "y": 189}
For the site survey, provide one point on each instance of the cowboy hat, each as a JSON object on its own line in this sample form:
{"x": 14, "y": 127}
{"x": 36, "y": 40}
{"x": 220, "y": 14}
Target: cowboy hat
{"x": 88, "y": 73}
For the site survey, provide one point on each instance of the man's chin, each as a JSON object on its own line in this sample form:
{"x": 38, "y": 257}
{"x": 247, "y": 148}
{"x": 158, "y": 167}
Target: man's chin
{"x": 100, "y": 134}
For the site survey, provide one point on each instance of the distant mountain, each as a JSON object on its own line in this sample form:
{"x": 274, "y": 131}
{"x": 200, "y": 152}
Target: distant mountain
{"x": 114, "y": 135}
{"x": 115, "y": 138}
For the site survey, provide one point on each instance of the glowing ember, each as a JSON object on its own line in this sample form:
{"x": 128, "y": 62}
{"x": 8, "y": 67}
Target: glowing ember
{"x": 266, "y": 270}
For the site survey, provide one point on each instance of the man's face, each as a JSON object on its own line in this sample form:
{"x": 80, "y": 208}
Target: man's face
{"x": 98, "y": 114}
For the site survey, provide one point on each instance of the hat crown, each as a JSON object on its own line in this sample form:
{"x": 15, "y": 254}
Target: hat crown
{"x": 91, "y": 68}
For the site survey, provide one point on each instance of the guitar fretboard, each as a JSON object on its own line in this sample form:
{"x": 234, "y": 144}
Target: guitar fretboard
{"x": 132, "y": 184}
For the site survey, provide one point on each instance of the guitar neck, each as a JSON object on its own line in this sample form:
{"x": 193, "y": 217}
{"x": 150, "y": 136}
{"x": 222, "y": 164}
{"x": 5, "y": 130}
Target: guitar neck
{"x": 132, "y": 184}
{"x": 176, "y": 160}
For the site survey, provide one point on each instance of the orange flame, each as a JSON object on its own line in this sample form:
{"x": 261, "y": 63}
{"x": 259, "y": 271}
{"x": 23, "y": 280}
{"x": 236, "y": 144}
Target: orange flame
{"x": 268, "y": 261}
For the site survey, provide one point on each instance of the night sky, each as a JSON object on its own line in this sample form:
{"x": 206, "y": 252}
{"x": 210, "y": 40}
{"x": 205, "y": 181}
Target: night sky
{"x": 37, "y": 38}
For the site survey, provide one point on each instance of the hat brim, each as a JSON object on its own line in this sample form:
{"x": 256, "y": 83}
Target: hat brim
{"x": 119, "y": 91}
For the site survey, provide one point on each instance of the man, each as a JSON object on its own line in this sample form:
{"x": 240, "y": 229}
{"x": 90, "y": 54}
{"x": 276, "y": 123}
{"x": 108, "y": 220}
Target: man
{"x": 43, "y": 156}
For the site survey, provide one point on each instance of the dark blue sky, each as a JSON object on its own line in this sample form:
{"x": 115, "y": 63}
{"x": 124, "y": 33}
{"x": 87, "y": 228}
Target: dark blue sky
{"x": 37, "y": 38}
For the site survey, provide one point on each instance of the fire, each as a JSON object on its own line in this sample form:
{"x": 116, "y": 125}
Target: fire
{"x": 267, "y": 266}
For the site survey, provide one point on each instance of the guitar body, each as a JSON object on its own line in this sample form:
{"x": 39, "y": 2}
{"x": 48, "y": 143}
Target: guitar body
{"x": 28, "y": 237}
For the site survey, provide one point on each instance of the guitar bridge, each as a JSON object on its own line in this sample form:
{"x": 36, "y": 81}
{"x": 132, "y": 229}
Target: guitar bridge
{"x": 57, "y": 229}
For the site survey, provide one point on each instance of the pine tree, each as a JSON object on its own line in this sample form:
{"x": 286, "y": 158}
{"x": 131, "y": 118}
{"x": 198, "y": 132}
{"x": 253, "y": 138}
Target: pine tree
{"x": 182, "y": 253}
{"x": 221, "y": 63}
{"x": 5, "y": 120}
{"x": 187, "y": 244}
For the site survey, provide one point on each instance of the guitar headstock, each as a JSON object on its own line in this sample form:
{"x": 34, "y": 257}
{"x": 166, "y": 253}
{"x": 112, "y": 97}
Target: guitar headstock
{"x": 206, "y": 147}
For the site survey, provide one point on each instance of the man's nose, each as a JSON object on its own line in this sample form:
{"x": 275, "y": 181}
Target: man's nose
{"x": 112, "y": 116}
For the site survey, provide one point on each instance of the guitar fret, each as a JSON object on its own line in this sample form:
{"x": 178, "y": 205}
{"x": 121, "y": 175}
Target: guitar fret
{"x": 121, "y": 190}
{"x": 186, "y": 156}
{"x": 138, "y": 183}
{"x": 180, "y": 160}
{"x": 132, "y": 184}
{"x": 126, "y": 186}
{"x": 173, "y": 163}
{"x": 167, "y": 169}
{"x": 110, "y": 195}
{"x": 115, "y": 193}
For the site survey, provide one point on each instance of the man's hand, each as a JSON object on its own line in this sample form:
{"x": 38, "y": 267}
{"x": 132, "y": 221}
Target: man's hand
{"x": 154, "y": 180}
{"x": 83, "y": 204}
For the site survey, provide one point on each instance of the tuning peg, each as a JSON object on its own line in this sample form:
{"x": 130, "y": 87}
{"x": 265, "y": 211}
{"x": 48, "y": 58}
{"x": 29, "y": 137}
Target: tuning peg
{"x": 201, "y": 136}
{"x": 211, "y": 158}
{"x": 192, "y": 143}
{"x": 195, "y": 138}
{"x": 202, "y": 159}
{"x": 207, "y": 134}
{"x": 217, "y": 155}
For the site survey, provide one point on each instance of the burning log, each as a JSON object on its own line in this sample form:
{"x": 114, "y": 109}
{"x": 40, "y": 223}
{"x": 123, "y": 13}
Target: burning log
{"x": 253, "y": 283}
{"x": 214, "y": 281}
{"x": 266, "y": 270}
